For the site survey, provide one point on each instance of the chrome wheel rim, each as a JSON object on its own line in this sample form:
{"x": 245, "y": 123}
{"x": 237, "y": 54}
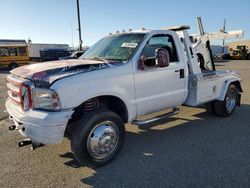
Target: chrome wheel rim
{"x": 102, "y": 140}
{"x": 230, "y": 101}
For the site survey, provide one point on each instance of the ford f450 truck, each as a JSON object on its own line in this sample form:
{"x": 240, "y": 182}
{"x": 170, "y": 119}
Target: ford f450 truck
{"x": 121, "y": 77}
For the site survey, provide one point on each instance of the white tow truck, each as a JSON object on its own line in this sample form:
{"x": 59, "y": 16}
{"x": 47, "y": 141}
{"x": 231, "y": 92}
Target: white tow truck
{"x": 121, "y": 77}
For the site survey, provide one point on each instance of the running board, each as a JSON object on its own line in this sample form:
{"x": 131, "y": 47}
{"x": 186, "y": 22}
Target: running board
{"x": 157, "y": 118}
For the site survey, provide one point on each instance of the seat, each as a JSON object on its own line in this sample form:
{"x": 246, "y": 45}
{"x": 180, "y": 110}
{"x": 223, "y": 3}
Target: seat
{"x": 171, "y": 57}
{"x": 162, "y": 57}
{"x": 149, "y": 50}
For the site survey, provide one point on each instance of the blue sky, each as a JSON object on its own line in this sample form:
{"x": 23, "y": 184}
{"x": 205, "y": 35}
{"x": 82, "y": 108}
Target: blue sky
{"x": 55, "y": 21}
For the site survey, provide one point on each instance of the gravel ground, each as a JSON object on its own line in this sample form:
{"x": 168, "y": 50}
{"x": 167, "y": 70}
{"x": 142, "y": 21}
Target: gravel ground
{"x": 191, "y": 149}
{"x": 3, "y": 93}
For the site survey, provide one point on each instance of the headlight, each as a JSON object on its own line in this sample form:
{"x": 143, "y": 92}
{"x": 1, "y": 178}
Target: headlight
{"x": 45, "y": 99}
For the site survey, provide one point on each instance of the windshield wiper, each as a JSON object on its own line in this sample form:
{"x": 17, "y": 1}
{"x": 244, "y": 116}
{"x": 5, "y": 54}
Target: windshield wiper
{"x": 113, "y": 59}
{"x": 98, "y": 59}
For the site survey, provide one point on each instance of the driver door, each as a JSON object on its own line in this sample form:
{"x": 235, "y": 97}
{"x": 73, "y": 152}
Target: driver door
{"x": 158, "y": 88}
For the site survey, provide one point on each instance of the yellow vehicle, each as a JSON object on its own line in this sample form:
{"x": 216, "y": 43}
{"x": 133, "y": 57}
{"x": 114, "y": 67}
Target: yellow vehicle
{"x": 241, "y": 53}
{"x": 13, "y": 55}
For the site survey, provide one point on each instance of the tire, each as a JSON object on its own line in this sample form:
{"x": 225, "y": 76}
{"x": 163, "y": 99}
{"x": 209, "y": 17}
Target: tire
{"x": 226, "y": 108}
{"x": 243, "y": 57}
{"x": 13, "y": 65}
{"x": 100, "y": 125}
{"x": 248, "y": 56}
{"x": 202, "y": 61}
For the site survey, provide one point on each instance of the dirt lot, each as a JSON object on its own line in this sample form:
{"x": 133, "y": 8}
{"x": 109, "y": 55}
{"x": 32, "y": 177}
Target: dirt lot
{"x": 191, "y": 149}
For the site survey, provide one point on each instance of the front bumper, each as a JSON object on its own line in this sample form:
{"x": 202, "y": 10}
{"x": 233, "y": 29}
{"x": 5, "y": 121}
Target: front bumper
{"x": 40, "y": 126}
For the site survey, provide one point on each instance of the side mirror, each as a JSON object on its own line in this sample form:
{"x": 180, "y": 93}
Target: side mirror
{"x": 162, "y": 57}
{"x": 141, "y": 64}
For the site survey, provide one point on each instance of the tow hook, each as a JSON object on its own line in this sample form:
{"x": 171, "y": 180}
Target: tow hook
{"x": 26, "y": 142}
{"x": 12, "y": 127}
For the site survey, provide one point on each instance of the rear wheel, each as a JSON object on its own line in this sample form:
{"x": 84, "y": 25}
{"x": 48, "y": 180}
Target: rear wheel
{"x": 13, "y": 65}
{"x": 248, "y": 56}
{"x": 201, "y": 61}
{"x": 227, "y": 106}
{"x": 97, "y": 138}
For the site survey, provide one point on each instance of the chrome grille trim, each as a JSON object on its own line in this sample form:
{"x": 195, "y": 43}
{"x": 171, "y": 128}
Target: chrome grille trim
{"x": 14, "y": 85}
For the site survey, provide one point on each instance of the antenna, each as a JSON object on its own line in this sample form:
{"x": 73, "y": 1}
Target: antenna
{"x": 72, "y": 35}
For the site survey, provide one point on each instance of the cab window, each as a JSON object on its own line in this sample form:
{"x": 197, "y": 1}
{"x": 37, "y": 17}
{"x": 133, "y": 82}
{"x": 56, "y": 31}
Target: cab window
{"x": 161, "y": 41}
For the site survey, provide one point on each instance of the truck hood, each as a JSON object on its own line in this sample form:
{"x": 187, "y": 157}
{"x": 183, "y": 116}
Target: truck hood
{"x": 44, "y": 74}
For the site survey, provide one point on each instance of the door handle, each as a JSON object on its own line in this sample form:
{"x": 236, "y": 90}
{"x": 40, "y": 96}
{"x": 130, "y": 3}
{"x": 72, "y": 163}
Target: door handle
{"x": 182, "y": 72}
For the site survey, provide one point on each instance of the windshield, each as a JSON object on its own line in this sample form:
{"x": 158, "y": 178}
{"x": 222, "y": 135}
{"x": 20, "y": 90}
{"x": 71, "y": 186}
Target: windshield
{"x": 114, "y": 47}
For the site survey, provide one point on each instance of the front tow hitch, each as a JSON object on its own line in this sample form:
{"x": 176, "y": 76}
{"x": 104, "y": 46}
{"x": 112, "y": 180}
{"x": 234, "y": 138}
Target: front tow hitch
{"x": 28, "y": 141}
{"x": 24, "y": 142}
{"x": 12, "y": 127}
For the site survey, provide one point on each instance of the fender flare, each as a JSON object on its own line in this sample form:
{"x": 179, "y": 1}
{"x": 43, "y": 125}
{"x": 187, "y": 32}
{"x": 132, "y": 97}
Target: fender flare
{"x": 234, "y": 81}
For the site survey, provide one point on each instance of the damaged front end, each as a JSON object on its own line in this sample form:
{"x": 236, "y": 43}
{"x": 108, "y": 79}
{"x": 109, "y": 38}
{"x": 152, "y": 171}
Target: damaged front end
{"x": 35, "y": 109}
{"x": 48, "y": 77}
{"x": 41, "y": 127}
{"x": 45, "y": 74}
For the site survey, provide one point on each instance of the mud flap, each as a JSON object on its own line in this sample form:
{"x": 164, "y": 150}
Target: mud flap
{"x": 239, "y": 100}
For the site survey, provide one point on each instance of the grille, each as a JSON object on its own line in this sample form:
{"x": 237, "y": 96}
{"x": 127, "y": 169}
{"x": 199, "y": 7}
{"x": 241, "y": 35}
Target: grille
{"x": 14, "y": 89}
{"x": 19, "y": 91}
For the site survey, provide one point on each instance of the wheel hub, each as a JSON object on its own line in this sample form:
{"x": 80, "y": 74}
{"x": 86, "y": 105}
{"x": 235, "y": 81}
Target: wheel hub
{"x": 230, "y": 101}
{"x": 102, "y": 140}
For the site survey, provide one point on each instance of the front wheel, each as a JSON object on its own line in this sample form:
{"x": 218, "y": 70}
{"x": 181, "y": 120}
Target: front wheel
{"x": 227, "y": 106}
{"x": 97, "y": 138}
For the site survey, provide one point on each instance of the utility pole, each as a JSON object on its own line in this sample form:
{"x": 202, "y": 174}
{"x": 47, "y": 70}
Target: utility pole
{"x": 79, "y": 25}
{"x": 201, "y": 29}
{"x": 72, "y": 35}
{"x": 224, "y": 29}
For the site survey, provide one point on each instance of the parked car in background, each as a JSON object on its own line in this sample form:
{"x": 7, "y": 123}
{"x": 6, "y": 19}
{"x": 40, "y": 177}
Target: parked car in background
{"x": 53, "y": 54}
{"x": 74, "y": 55}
